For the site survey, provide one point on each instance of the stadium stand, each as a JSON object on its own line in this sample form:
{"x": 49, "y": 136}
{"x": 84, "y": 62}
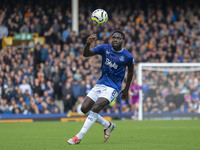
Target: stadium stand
{"x": 33, "y": 79}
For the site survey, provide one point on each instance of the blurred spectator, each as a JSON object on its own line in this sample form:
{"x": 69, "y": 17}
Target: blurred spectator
{"x": 124, "y": 105}
{"x": 77, "y": 90}
{"x": 79, "y": 104}
{"x": 6, "y": 110}
{"x": 37, "y": 26}
{"x": 24, "y": 29}
{"x": 67, "y": 97}
{"x": 3, "y": 32}
{"x": 49, "y": 89}
{"x": 7, "y": 94}
{"x": 37, "y": 88}
{"x": 25, "y": 86}
{"x": 56, "y": 79}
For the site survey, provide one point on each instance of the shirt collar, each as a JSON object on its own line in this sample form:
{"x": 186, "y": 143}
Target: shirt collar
{"x": 118, "y": 51}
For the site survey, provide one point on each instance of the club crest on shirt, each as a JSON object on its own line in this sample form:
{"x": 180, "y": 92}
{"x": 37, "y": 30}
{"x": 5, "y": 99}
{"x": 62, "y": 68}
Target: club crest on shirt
{"x": 121, "y": 58}
{"x": 107, "y": 52}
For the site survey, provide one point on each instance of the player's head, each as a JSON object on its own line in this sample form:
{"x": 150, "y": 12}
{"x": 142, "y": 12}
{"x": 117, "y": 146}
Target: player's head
{"x": 118, "y": 38}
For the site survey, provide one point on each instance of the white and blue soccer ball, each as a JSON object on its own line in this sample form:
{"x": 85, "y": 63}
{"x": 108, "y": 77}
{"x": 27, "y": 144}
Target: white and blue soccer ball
{"x": 99, "y": 16}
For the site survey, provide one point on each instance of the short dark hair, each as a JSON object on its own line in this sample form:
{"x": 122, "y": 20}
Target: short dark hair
{"x": 120, "y": 32}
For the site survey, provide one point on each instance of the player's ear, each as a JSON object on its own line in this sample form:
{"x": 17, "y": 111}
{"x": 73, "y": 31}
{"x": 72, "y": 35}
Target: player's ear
{"x": 123, "y": 42}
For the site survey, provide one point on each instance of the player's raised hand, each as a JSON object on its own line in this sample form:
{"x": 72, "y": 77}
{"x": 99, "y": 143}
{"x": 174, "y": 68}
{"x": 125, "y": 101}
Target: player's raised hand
{"x": 124, "y": 93}
{"x": 91, "y": 38}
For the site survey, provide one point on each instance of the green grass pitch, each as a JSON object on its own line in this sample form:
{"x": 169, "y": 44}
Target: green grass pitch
{"x": 129, "y": 135}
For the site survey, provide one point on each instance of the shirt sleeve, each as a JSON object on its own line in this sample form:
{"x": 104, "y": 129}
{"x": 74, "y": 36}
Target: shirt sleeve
{"x": 100, "y": 49}
{"x": 131, "y": 61}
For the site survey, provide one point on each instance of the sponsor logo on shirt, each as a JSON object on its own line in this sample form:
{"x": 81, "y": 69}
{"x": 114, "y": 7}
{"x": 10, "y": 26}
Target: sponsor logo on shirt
{"x": 109, "y": 63}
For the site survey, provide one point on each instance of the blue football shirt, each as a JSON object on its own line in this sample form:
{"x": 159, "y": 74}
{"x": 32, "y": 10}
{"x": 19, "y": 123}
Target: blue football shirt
{"x": 113, "y": 65}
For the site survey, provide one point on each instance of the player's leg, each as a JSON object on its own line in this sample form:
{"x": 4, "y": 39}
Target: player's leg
{"x": 92, "y": 116}
{"x": 86, "y": 109}
{"x": 133, "y": 111}
{"x": 107, "y": 95}
{"x": 136, "y": 109}
{"x": 98, "y": 106}
{"x": 90, "y": 99}
{"x": 87, "y": 105}
{"x": 86, "y": 126}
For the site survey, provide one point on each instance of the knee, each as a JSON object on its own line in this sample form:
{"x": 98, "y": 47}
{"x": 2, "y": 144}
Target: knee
{"x": 84, "y": 108}
{"x": 96, "y": 108}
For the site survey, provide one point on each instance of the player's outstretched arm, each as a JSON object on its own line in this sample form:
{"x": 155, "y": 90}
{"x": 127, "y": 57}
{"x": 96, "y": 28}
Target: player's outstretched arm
{"x": 128, "y": 83}
{"x": 87, "y": 52}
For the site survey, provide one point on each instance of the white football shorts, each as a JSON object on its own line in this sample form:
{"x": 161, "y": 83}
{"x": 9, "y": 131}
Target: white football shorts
{"x": 100, "y": 90}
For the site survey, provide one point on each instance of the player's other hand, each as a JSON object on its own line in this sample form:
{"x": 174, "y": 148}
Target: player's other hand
{"x": 91, "y": 38}
{"x": 124, "y": 93}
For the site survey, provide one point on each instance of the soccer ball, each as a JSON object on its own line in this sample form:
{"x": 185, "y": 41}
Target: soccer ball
{"x": 99, "y": 16}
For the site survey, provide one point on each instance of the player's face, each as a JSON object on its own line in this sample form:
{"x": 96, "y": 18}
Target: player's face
{"x": 117, "y": 41}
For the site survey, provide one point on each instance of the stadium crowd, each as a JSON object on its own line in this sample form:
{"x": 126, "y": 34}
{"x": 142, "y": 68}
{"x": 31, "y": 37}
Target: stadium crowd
{"x": 171, "y": 91}
{"x": 156, "y": 31}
